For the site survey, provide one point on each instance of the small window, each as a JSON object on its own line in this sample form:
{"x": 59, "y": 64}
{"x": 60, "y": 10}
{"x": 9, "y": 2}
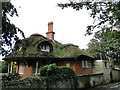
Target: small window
{"x": 21, "y": 68}
{"x": 45, "y": 48}
{"x": 86, "y": 64}
{"x": 83, "y": 63}
{"x": 68, "y": 64}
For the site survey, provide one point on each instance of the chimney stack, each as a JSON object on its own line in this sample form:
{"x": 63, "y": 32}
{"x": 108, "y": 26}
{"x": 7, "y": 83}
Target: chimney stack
{"x": 50, "y": 33}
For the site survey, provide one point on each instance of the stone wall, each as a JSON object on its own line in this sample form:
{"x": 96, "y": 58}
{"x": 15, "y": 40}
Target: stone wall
{"x": 98, "y": 66}
{"x": 83, "y": 81}
{"x": 103, "y": 66}
{"x": 115, "y": 75}
{"x": 88, "y": 81}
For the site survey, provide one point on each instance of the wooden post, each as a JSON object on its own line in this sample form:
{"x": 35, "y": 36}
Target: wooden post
{"x": 17, "y": 68}
{"x": 36, "y": 70}
{"x": 11, "y": 67}
{"x": 8, "y": 67}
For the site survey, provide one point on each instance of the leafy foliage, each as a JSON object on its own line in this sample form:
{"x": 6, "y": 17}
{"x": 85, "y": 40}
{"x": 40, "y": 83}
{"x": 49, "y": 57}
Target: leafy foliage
{"x": 53, "y": 69}
{"x": 94, "y": 49}
{"x": 34, "y": 82}
{"x": 53, "y": 72}
{"x": 48, "y": 74}
{"x": 9, "y": 30}
{"x": 105, "y": 45}
{"x": 10, "y": 77}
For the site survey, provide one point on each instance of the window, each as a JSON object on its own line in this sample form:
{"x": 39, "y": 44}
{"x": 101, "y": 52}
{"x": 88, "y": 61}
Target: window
{"x": 86, "y": 64}
{"x": 68, "y": 64}
{"x": 33, "y": 68}
{"x": 45, "y": 48}
{"x": 21, "y": 68}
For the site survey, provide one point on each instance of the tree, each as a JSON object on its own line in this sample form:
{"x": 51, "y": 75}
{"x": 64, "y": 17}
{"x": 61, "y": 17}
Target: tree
{"x": 105, "y": 14}
{"x": 104, "y": 45}
{"x": 9, "y": 30}
{"x": 94, "y": 49}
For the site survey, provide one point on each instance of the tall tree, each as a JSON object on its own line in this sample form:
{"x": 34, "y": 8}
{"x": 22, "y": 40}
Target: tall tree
{"x": 94, "y": 49}
{"x": 105, "y": 14}
{"x": 9, "y": 30}
{"x": 105, "y": 45}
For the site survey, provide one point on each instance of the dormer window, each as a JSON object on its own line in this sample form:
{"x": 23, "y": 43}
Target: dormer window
{"x": 45, "y": 46}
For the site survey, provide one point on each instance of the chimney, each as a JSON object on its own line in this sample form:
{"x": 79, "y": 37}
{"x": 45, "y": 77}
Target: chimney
{"x": 50, "y": 33}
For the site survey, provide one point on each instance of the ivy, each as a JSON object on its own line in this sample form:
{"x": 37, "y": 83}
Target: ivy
{"x": 53, "y": 73}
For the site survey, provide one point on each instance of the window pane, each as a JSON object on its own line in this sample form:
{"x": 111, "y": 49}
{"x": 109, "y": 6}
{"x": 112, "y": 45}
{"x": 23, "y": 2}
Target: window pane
{"x": 68, "y": 64}
{"x": 86, "y": 64}
{"x": 89, "y": 64}
{"x": 83, "y": 64}
{"x": 21, "y": 68}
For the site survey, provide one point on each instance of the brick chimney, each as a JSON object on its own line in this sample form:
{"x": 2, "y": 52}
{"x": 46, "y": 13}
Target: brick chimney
{"x": 50, "y": 33}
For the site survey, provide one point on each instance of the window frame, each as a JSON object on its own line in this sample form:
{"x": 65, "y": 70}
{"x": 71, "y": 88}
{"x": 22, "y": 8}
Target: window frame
{"x": 45, "y": 48}
{"x": 68, "y": 64}
{"x": 86, "y": 64}
{"x": 22, "y": 68}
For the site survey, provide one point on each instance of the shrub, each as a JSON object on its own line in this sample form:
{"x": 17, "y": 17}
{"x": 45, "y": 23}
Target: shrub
{"x": 53, "y": 73}
{"x": 10, "y": 77}
{"x": 53, "y": 69}
{"x": 34, "y": 82}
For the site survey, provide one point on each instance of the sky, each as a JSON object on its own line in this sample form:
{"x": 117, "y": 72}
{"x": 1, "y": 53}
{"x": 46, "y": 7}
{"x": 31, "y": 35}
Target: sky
{"x": 69, "y": 25}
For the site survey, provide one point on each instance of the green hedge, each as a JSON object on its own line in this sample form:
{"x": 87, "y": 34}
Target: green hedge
{"x": 54, "y": 73}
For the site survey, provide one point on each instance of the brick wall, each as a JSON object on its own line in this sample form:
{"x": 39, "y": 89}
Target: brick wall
{"x": 77, "y": 66}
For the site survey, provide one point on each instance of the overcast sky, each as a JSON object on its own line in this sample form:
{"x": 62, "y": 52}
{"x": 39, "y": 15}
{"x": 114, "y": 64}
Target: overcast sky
{"x": 69, "y": 25}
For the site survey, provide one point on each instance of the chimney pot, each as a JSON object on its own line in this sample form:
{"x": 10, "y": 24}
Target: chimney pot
{"x": 50, "y": 33}
{"x": 50, "y": 26}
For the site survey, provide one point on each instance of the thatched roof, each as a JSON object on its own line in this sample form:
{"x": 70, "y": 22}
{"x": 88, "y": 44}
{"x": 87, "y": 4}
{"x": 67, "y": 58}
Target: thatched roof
{"x": 30, "y": 48}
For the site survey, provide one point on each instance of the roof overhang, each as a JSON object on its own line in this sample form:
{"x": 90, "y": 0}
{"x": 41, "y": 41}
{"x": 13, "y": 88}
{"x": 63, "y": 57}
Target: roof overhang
{"x": 46, "y": 58}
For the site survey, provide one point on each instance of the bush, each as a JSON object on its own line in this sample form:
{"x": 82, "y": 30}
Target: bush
{"x": 53, "y": 69}
{"x": 34, "y": 82}
{"x": 54, "y": 72}
{"x": 10, "y": 77}
{"x": 49, "y": 75}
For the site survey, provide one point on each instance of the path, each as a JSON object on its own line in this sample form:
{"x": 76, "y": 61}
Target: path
{"x": 110, "y": 86}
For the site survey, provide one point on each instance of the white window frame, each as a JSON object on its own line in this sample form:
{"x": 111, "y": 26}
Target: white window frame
{"x": 68, "y": 64}
{"x": 86, "y": 64}
{"x": 45, "y": 48}
{"x": 21, "y": 68}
